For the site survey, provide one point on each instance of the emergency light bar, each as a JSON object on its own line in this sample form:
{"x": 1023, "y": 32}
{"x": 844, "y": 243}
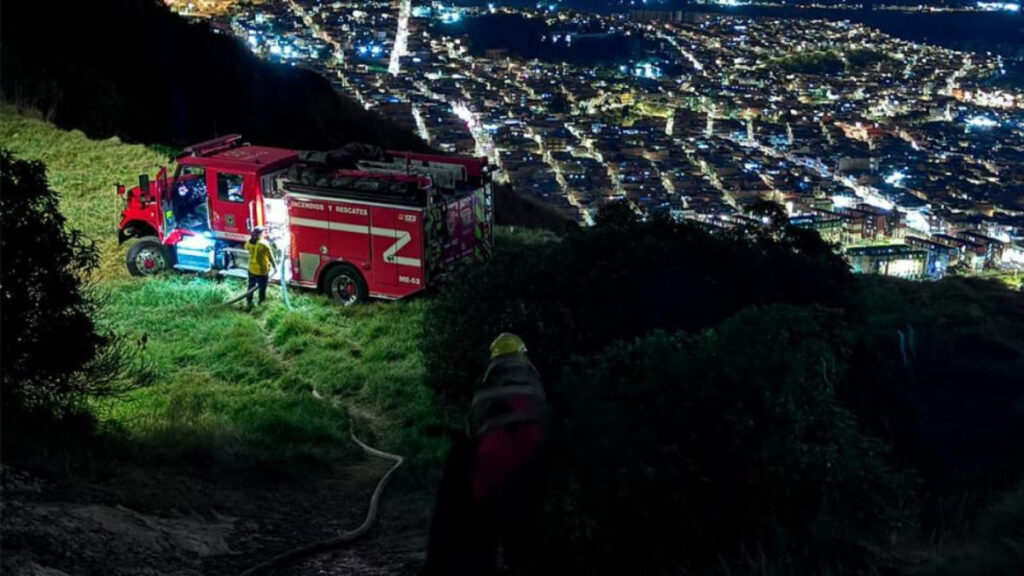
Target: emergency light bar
{"x": 215, "y": 145}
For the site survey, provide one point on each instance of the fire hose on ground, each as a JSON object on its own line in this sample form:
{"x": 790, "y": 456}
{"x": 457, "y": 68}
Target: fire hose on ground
{"x": 346, "y": 537}
{"x": 244, "y": 295}
{"x": 371, "y": 514}
{"x": 250, "y": 291}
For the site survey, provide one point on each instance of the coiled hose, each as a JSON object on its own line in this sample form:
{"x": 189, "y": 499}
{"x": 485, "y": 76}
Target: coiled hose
{"x": 346, "y": 537}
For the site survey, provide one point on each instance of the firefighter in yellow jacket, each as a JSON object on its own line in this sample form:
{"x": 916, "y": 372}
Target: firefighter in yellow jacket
{"x": 261, "y": 263}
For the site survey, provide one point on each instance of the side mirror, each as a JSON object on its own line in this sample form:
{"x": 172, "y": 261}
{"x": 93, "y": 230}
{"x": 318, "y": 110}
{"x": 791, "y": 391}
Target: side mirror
{"x": 144, "y": 182}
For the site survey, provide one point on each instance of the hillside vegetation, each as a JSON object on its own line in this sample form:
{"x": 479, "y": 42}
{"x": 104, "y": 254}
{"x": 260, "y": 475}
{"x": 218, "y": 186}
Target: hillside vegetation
{"x": 232, "y": 391}
{"x": 831, "y": 62}
{"x": 780, "y": 414}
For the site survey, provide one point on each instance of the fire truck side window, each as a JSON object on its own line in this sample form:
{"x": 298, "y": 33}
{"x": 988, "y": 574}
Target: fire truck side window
{"x": 229, "y": 187}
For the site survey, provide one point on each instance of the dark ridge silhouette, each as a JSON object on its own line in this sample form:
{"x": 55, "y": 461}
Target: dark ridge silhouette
{"x": 134, "y": 69}
{"x": 514, "y": 209}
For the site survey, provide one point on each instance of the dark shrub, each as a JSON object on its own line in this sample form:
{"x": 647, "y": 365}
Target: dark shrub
{"x": 53, "y": 355}
{"x": 725, "y": 452}
{"x": 996, "y": 549}
{"x": 620, "y": 279}
{"x": 940, "y": 376}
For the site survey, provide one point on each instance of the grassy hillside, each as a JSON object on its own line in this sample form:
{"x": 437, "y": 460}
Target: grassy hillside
{"x": 234, "y": 390}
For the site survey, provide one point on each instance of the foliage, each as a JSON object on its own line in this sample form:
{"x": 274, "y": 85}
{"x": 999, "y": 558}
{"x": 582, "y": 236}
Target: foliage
{"x": 620, "y": 279}
{"x": 830, "y": 62}
{"x": 996, "y": 548}
{"x": 948, "y": 398}
{"x": 771, "y": 214}
{"x": 863, "y": 57}
{"x": 53, "y": 355}
{"x": 645, "y": 420}
{"x": 826, "y": 62}
{"x": 720, "y": 453}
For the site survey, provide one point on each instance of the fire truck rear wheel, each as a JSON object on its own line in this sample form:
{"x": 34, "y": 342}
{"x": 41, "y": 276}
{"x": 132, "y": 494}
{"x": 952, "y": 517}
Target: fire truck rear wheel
{"x": 345, "y": 285}
{"x": 147, "y": 257}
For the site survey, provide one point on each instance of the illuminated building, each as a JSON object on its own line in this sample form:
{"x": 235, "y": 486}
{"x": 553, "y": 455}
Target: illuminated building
{"x": 897, "y": 260}
{"x": 830, "y": 229}
{"x": 940, "y": 256}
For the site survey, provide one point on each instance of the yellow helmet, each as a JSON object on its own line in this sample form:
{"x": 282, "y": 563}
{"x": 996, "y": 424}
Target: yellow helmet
{"x": 507, "y": 343}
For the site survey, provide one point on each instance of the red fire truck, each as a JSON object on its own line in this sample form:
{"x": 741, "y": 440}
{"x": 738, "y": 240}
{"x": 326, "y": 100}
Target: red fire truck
{"x": 354, "y": 223}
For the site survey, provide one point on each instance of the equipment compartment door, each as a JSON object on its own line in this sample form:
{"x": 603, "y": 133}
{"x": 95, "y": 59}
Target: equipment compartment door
{"x": 232, "y": 199}
{"x": 409, "y": 258}
{"x": 384, "y": 243}
{"x": 397, "y": 237}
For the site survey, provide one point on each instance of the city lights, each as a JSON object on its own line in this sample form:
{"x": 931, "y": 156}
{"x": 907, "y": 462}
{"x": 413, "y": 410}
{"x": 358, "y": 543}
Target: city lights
{"x": 705, "y": 117}
{"x": 895, "y": 178}
{"x": 1005, "y": 6}
{"x": 451, "y": 16}
{"x": 982, "y": 122}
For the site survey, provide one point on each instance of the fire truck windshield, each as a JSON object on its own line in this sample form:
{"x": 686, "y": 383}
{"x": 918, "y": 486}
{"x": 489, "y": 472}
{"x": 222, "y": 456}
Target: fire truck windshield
{"x": 187, "y": 205}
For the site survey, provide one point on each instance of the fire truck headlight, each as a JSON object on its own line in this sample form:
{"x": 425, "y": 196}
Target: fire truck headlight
{"x": 197, "y": 242}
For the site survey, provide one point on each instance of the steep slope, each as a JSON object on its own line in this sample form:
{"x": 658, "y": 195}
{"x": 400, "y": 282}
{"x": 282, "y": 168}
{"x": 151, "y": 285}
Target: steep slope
{"x": 932, "y": 370}
{"x": 232, "y": 390}
{"x": 133, "y": 69}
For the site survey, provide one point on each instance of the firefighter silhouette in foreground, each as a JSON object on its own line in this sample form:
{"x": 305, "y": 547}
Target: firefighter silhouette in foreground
{"x": 491, "y": 497}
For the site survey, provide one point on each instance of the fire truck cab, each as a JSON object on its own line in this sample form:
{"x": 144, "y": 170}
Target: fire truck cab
{"x": 354, "y": 223}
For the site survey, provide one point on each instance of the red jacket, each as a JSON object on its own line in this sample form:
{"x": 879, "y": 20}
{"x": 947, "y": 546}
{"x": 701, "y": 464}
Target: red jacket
{"x": 507, "y": 421}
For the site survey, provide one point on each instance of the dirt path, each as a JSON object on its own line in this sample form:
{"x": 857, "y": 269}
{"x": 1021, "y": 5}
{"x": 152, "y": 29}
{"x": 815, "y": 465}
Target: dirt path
{"x": 146, "y": 521}
{"x": 147, "y": 524}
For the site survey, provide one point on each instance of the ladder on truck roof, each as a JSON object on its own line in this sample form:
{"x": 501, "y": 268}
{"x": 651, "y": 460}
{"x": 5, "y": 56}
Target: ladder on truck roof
{"x": 368, "y": 187}
{"x": 211, "y": 146}
{"x": 447, "y": 176}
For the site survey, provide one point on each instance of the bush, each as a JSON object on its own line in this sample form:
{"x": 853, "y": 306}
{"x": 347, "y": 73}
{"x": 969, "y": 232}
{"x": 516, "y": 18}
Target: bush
{"x": 938, "y": 376}
{"x": 931, "y": 369}
{"x": 725, "y": 453}
{"x": 53, "y": 355}
{"x": 997, "y": 548}
{"x": 618, "y": 280}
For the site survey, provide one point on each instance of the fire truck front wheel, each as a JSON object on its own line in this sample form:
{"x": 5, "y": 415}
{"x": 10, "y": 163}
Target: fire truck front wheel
{"x": 147, "y": 257}
{"x": 345, "y": 285}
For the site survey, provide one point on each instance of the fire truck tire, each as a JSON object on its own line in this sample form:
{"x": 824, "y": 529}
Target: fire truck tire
{"x": 148, "y": 257}
{"x": 345, "y": 285}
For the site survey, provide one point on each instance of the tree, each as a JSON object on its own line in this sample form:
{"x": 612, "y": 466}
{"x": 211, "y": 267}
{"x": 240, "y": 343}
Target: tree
{"x": 771, "y": 214}
{"x": 53, "y": 355}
